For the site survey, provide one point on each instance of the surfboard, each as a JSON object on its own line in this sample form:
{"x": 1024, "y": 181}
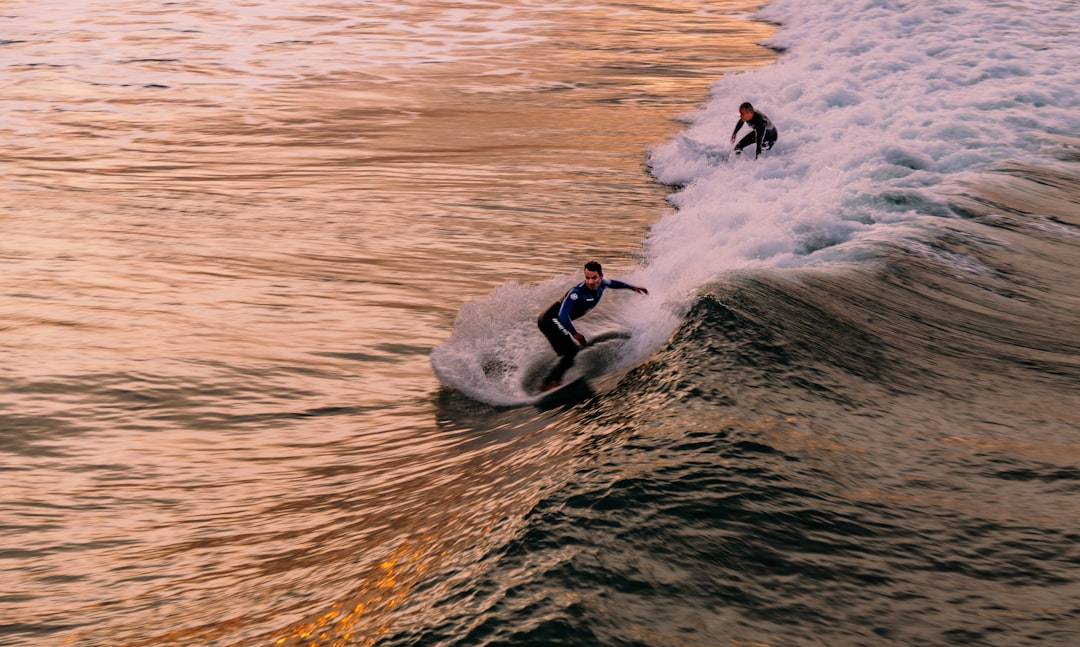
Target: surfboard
{"x": 611, "y": 335}
{"x": 575, "y": 390}
{"x": 593, "y": 360}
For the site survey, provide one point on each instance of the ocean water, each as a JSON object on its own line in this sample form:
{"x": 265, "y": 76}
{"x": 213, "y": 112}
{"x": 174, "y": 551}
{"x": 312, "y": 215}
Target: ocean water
{"x": 271, "y": 273}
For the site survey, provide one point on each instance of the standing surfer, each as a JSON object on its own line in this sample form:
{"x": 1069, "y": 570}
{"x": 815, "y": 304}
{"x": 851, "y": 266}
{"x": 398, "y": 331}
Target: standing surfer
{"x": 557, "y": 321}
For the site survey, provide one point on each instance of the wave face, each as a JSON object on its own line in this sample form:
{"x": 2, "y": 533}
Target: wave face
{"x": 877, "y": 454}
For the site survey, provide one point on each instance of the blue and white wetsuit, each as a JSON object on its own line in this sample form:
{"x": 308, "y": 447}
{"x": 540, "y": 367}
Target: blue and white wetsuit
{"x": 557, "y": 322}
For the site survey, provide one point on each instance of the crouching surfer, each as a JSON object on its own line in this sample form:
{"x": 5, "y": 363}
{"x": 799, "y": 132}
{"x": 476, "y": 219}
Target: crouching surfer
{"x": 762, "y": 131}
{"x": 557, "y": 321}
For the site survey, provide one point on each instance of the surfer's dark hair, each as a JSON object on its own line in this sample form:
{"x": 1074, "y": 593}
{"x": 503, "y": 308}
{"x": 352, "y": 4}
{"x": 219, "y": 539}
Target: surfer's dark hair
{"x": 593, "y": 266}
{"x": 747, "y": 106}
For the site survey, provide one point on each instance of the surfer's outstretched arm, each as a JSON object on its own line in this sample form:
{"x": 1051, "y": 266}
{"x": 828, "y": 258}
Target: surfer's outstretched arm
{"x": 620, "y": 285}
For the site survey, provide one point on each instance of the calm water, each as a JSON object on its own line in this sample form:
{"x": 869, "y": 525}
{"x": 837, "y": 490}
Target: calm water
{"x": 271, "y": 271}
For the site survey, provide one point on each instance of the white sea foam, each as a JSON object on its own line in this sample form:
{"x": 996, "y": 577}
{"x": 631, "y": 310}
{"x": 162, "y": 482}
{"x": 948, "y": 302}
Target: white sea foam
{"x": 880, "y": 104}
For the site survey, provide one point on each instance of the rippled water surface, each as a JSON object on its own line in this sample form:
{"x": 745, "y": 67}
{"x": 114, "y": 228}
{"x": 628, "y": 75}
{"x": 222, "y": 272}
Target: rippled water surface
{"x": 265, "y": 265}
{"x": 232, "y": 234}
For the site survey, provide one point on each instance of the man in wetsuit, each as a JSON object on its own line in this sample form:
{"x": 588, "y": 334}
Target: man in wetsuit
{"x": 763, "y": 132}
{"x": 557, "y": 321}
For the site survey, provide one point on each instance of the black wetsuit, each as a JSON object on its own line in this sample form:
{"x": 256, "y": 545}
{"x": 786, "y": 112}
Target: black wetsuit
{"x": 763, "y": 133}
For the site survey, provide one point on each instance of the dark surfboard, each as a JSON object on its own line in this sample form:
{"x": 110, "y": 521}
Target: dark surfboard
{"x": 573, "y": 391}
{"x": 590, "y": 365}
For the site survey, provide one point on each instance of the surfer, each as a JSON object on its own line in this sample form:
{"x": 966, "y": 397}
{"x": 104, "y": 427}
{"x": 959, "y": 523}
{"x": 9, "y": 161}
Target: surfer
{"x": 762, "y": 131}
{"x": 557, "y": 321}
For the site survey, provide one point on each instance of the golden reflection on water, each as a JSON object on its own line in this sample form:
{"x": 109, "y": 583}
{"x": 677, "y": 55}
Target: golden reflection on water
{"x": 232, "y": 234}
{"x": 365, "y": 614}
